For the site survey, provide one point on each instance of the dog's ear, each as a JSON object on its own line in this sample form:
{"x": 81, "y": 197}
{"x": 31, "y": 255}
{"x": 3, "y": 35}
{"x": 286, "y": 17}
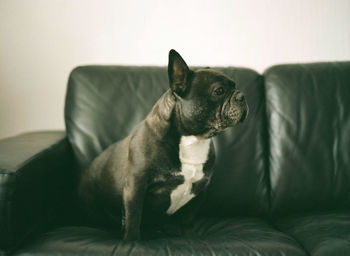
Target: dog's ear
{"x": 178, "y": 72}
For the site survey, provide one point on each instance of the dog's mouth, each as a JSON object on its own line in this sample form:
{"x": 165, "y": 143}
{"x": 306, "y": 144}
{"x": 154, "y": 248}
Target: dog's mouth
{"x": 232, "y": 113}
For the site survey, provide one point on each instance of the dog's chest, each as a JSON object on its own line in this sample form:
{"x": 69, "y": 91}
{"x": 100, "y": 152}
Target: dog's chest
{"x": 193, "y": 154}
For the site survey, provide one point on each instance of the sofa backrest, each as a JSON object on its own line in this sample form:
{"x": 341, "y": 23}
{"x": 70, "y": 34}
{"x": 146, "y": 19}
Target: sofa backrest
{"x": 105, "y": 103}
{"x": 308, "y": 113}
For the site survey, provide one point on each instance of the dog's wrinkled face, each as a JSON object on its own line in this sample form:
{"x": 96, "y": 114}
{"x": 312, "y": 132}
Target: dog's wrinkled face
{"x": 207, "y": 100}
{"x": 212, "y": 103}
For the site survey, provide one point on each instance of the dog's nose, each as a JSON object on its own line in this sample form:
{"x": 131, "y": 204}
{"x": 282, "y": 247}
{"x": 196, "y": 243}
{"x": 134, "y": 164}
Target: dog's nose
{"x": 239, "y": 96}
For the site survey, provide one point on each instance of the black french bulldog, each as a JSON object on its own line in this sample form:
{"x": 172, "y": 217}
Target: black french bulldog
{"x": 167, "y": 161}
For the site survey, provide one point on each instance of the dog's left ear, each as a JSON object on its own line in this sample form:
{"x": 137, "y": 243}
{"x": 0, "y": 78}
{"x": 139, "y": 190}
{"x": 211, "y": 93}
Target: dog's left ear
{"x": 178, "y": 72}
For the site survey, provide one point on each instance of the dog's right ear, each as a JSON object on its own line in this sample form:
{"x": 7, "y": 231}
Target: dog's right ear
{"x": 178, "y": 73}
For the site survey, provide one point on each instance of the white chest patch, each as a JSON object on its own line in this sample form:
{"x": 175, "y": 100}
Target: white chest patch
{"x": 193, "y": 155}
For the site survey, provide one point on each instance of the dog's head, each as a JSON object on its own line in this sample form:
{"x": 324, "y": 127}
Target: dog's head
{"x": 207, "y": 101}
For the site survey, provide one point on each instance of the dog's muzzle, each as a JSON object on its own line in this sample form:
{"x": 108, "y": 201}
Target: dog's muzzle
{"x": 237, "y": 108}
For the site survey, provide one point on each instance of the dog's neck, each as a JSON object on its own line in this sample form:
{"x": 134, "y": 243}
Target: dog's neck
{"x": 162, "y": 120}
{"x": 159, "y": 119}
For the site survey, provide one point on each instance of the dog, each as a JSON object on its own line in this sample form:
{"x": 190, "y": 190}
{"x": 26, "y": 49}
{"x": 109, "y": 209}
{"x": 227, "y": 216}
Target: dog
{"x": 161, "y": 170}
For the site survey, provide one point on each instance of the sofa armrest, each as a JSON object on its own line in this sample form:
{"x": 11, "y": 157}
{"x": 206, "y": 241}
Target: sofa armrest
{"x": 37, "y": 176}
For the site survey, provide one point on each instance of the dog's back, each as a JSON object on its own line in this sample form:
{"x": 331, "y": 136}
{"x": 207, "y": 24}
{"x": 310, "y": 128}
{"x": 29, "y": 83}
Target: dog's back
{"x": 101, "y": 185}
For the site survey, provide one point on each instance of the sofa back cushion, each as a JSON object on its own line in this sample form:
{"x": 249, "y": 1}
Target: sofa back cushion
{"x": 105, "y": 103}
{"x": 308, "y": 113}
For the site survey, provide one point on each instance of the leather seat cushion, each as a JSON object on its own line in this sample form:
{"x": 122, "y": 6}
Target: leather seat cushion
{"x": 321, "y": 234}
{"x": 235, "y": 236}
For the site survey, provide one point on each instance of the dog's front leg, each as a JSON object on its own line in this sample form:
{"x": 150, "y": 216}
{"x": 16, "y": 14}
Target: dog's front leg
{"x": 133, "y": 196}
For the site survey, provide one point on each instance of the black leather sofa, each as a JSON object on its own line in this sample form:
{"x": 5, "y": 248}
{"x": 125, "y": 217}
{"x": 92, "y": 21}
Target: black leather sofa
{"x": 281, "y": 184}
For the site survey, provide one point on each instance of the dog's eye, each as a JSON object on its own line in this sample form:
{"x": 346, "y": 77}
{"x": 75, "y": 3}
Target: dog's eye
{"x": 219, "y": 91}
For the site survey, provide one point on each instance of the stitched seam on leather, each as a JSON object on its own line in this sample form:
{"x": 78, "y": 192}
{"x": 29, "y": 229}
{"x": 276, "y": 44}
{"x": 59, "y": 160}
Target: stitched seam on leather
{"x": 291, "y": 236}
{"x": 5, "y": 172}
{"x": 41, "y": 153}
{"x": 266, "y": 142}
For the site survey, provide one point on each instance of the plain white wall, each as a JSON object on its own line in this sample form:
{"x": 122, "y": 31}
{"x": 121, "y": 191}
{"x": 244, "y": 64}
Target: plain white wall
{"x": 41, "y": 41}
